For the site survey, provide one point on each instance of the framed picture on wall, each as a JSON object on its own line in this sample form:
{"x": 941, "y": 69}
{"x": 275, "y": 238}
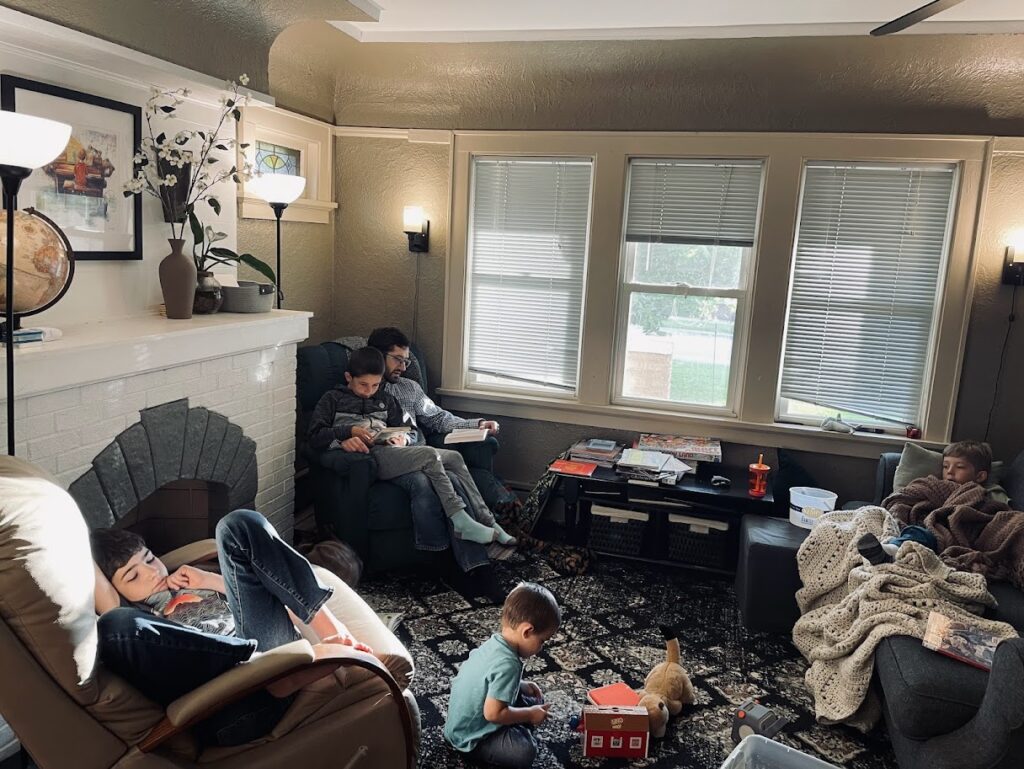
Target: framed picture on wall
{"x": 81, "y": 190}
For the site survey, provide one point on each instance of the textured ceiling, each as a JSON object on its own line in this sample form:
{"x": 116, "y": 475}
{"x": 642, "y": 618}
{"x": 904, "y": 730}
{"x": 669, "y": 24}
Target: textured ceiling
{"x": 223, "y": 38}
{"x": 960, "y": 84}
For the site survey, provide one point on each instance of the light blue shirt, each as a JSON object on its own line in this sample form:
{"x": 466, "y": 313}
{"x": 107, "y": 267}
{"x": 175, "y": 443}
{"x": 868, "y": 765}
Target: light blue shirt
{"x": 493, "y": 670}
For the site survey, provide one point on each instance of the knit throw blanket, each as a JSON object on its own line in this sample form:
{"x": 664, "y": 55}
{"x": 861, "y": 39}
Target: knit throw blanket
{"x": 974, "y": 532}
{"x": 848, "y": 607}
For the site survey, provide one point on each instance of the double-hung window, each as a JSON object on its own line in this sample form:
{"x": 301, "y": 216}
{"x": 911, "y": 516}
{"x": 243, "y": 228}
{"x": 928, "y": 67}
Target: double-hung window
{"x": 527, "y": 243}
{"x": 871, "y": 251}
{"x": 687, "y": 265}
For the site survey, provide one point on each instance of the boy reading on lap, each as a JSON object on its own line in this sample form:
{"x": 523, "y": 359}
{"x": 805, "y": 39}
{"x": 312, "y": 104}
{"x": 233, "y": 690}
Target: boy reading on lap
{"x": 352, "y": 415}
{"x": 491, "y": 708}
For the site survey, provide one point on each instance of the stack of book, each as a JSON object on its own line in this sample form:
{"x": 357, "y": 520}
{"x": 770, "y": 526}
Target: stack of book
{"x": 23, "y": 335}
{"x": 650, "y": 468}
{"x": 601, "y": 452}
{"x": 688, "y": 449}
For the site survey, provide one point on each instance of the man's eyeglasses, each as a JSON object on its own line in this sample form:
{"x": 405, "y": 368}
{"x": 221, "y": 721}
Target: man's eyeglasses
{"x": 399, "y": 361}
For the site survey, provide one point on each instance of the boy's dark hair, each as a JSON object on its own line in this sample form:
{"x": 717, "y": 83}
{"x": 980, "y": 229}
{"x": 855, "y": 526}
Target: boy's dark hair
{"x": 113, "y": 548}
{"x": 386, "y": 337}
{"x": 365, "y": 360}
{"x": 533, "y": 603}
{"x": 977, "y": 453}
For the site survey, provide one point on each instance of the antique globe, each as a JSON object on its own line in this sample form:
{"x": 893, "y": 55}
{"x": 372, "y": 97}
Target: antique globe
{"x": 44, "y": 263}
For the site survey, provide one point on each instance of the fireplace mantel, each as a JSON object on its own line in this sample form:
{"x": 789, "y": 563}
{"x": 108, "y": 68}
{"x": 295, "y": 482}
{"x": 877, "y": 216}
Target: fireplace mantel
{"x": 95, "y": 352}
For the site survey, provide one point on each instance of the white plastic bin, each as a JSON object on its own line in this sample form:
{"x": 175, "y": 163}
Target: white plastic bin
{"x": 806, "y": 504}
{"x": 757, "y": 752}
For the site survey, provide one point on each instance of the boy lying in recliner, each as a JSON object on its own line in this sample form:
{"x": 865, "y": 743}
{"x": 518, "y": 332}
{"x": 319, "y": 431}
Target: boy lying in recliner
{"x": 181, "y": 629}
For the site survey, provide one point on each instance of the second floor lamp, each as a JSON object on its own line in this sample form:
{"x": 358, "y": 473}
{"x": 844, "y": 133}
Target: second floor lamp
{"x": 278, "y": 190}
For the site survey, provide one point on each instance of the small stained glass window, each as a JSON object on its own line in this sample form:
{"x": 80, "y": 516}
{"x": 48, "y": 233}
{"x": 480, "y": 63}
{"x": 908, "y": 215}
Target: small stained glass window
{"x": 275, "y": 159}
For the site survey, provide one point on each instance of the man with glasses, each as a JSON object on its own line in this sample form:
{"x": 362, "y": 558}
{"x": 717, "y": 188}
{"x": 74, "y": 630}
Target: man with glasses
{"x": 428, "y": 417}
{"x": 429, "y": 522}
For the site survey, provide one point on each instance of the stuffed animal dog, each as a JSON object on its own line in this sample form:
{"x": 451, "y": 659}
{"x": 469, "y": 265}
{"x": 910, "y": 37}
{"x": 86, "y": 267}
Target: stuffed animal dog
{"x": 667, "y": 687}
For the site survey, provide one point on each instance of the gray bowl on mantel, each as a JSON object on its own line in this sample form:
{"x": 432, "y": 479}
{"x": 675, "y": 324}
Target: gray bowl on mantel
{"x": 248, "y": 296}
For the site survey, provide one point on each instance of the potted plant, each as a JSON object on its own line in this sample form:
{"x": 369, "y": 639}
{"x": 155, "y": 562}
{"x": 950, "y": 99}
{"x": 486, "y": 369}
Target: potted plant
{"x": 181, "y": 170}
{"x": 209, "y": 295}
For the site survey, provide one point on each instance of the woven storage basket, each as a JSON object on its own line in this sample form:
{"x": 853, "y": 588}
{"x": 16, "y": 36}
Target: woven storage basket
{"x": 248, "y": 296}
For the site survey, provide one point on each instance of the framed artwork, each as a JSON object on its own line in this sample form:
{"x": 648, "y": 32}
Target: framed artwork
{"x": 81, "y": 190}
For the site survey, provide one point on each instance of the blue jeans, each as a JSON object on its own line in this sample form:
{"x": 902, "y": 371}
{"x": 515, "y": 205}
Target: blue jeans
{"x": 165, "y": 659}
{"x": 432, "y": 529}
{"x": 511, "y": 747}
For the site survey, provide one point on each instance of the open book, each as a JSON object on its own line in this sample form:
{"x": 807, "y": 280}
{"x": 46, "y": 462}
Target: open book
{"x": 466, "y": 435}
{"x": 385, "y": 434}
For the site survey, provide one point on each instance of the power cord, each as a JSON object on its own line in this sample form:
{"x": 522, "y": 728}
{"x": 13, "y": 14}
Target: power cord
{"x": 1002, "y": 358}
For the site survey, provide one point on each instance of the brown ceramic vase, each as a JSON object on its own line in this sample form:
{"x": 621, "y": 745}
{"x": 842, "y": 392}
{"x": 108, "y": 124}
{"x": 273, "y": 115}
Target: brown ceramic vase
{"x": 178, "y": 281}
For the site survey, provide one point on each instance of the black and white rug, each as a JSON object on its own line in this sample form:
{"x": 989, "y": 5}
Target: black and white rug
{"x": 609, "y": 633}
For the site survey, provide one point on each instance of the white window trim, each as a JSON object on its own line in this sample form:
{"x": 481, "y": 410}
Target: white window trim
{"x": 756, "y": 393}
{"x": 314, "y": 140}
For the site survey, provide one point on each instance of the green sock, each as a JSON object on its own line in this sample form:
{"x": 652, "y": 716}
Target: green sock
{"x": 467, "y": 528}
{"x": 503, "y": 537}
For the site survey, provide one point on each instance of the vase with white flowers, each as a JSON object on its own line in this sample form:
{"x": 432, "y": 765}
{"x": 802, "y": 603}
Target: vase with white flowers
{"x": 182, "y": 171}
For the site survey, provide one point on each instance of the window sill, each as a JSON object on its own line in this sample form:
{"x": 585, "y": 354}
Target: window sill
{"x": 788, "y": 436}
{"x": 302, "y": 210}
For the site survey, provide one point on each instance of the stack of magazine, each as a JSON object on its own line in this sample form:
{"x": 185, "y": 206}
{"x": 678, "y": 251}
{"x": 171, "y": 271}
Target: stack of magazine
{"x": 650, "y": 468}
{"x": 690, "y": 450}
{"x": 601, "y": 452}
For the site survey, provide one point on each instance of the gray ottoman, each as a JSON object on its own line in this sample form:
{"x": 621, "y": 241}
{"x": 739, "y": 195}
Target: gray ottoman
{"x": 766, "y": 575}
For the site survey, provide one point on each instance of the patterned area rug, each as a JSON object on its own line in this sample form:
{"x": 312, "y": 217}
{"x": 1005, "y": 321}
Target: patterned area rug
{"x": 610, "y": 633}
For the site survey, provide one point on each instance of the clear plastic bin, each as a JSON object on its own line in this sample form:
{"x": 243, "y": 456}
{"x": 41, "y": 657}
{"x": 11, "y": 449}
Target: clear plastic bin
{"x": 757, "y": 752}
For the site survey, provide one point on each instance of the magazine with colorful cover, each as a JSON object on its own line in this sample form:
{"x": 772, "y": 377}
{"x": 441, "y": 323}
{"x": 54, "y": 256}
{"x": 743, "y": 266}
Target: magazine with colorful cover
{"x": 962, "y": 641}
{"x": 683, "y": 447}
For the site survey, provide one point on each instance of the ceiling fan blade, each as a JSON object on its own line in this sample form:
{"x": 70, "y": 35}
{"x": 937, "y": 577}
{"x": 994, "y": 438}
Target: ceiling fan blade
{"x": 909, "y": 19}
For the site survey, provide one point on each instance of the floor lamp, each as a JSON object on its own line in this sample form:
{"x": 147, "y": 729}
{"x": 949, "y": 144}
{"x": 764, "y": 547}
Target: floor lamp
{"x": 278, "y": 190}
{"x": 26, "y": 142}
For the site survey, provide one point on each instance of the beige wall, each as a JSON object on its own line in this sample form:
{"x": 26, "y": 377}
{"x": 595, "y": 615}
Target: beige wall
{"x": 307, "y": 267}
{"x": 1003, "y": 215}
{"x": 375, "y": 274}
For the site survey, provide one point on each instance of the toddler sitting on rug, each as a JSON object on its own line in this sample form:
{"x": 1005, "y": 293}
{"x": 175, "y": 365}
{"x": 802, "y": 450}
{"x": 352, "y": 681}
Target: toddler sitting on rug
{"x": 491, "y": 707}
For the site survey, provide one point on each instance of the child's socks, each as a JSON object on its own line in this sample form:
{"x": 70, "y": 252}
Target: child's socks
{"x": 502, "y": 537}
{"x": 466, "y": 528}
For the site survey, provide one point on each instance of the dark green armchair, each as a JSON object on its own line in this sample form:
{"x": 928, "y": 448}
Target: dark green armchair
{"x": 348, "y": 500}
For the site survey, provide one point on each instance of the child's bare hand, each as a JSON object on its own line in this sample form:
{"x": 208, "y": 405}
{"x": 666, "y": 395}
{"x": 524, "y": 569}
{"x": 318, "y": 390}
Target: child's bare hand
{"x": 189, "y": 577}
{"x": 356, "y": 445}
{"x": 363, "y": 434}
{"x": 538, "y": 713}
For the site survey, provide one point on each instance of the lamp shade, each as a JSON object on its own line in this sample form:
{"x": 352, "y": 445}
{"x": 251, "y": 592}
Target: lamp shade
{"x": 412, "y": 219}
{"x": 276, "y": 188}
{"x": 29, "y": 141}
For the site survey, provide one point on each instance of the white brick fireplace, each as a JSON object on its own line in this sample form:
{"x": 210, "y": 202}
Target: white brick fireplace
{"x": 76, "y": 394}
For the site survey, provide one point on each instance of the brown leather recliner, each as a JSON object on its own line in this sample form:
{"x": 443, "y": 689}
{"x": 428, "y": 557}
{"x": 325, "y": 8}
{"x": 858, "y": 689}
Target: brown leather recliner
{"x": 69, "y": 711}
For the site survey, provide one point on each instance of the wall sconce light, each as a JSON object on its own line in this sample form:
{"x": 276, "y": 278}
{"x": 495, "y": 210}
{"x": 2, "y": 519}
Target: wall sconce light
{"x": 417, "y": 228}
{"x": 1013, "y": 267}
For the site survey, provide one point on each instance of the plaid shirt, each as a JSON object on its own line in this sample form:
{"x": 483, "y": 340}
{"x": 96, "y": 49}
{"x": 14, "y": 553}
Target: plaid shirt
{"x": 426, "y": 414}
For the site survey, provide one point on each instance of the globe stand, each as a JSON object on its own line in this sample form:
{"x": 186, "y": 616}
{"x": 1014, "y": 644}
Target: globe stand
{"x": 12, "y": 177}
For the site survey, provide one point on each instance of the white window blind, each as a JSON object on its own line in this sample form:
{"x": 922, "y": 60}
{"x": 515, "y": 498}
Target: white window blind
{"x": 870, "y": 252}
{"x": 693, "y": 201}
{"x": 528, "y": 226}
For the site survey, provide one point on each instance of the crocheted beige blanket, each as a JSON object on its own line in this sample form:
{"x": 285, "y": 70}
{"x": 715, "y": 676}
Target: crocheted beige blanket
{"x": 849, "y": 606}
